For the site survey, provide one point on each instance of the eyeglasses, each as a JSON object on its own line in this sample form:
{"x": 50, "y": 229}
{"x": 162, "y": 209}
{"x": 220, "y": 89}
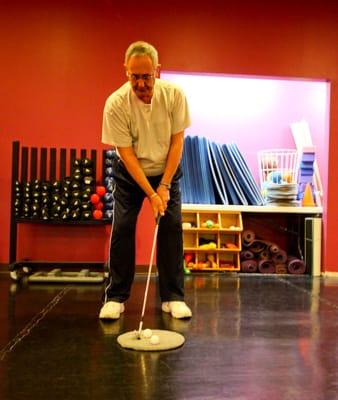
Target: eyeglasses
{"x": 137, "y": 77}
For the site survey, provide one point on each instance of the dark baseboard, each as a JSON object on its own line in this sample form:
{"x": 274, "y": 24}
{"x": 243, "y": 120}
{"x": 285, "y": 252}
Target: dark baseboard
{"x": 3, "y": 266}
{"x": 140, "y": 269}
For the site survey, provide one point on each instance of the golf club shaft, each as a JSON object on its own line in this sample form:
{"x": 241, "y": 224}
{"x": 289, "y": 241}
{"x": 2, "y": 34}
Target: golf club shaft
{"x": 149, "y": 273}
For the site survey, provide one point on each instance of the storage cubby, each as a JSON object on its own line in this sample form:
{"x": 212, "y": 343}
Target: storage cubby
{"x": 231, "y": 221}
{"x": 230, "y": 241}
{"x": 190, "y": 241}
{"x": 209, "y": 220}
{"x": 189, "y": 220}
{"x": 212, "y": 239}
{"x": 229, "y": 261}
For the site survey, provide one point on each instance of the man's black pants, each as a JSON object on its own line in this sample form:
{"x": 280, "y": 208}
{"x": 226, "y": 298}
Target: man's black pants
{"x": 128, "y": 199}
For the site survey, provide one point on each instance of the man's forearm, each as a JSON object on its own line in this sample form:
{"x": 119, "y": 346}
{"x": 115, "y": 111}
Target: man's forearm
{"x": 133, "y": 166}
{"x": 174, "y": 157}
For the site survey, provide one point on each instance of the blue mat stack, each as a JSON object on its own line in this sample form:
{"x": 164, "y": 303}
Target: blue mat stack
{"x": 216, "y": 174}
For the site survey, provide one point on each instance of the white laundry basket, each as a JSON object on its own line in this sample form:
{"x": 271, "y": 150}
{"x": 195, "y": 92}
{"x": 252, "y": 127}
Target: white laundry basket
{"x": 278, "y": 166}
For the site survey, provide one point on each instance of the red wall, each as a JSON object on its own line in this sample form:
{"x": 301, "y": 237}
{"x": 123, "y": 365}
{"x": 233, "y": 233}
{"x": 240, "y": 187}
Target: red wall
{"x": 60, "y": 60}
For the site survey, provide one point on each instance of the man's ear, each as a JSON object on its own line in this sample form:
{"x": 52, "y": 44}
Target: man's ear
{"x": 158, "y": 71}
{"x": 126, "y": 71}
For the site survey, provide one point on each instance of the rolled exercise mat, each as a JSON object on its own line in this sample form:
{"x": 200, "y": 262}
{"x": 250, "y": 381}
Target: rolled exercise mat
{"x": 264, "y": 255}
{"x": 266, "y": 267}
{"x": 257, "y": 246}
{"x": 280, "y": 257}
{"x": 281, "y": 269}
{"x": 296, "y": 266}
{"x": 248, "y": 237}
{"x": 249, "y": 266}
{"x": 273, "y": 248}
{"x": 247, "y": 255}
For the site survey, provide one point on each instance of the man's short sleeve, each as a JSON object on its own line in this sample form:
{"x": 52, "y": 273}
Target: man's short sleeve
{"x": 180, "y": 112}
{"x": 115, "y": 126}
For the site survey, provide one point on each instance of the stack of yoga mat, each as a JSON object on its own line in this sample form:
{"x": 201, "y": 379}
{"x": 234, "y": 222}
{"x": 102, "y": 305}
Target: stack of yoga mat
{"x": 216, "y": 174}
{"x": 266, "y": 257}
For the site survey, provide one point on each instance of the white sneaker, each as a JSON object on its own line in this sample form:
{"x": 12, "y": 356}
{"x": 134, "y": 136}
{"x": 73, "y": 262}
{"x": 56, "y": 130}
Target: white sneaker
{"x": 178, "y": 309}
{"x": 111, "y": 310}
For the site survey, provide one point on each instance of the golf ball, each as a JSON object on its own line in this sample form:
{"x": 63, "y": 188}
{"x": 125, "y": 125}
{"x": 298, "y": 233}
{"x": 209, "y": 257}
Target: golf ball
{"x": 154, "y": 339}
{"x": 147, "y": 333}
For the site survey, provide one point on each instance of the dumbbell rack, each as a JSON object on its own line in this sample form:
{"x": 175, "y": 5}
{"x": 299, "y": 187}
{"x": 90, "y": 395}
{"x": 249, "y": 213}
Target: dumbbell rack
{"x": 34, "y": 163}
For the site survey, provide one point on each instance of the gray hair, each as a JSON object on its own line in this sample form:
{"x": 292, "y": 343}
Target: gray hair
{"x": 142, "y": 49}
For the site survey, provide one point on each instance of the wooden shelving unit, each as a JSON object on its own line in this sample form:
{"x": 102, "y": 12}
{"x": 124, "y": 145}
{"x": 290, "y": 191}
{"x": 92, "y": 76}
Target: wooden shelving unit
{"x": 226, "y": 216}
{"x": 212, "y": 239}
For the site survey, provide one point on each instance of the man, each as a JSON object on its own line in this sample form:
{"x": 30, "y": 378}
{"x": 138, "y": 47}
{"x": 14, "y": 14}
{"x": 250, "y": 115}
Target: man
{"x": 145, "y": 120}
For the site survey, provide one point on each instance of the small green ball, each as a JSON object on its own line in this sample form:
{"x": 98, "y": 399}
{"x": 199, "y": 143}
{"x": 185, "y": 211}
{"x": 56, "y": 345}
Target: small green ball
{"x": 209, "y": 223}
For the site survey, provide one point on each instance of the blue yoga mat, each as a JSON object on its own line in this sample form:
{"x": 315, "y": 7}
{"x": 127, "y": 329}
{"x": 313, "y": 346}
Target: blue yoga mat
{"x": 250, "y": 179}
{"x": 216, "y": 175}
{"x": 198, "y": 188}
{"x": 186, "y": 182}
{"x": 196, "y": 183}
{"x": 240, "y": 176}
{"x": 206, "y": 173}
{"x": 234, "y": 195}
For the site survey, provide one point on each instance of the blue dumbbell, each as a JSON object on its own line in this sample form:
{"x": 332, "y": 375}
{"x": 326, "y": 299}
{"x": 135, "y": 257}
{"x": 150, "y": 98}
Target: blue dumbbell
{"x": 108, "y": 197}
{"x": 109, "y": 206}
{"x": 110, "y": 154}
{"x": 108, "y": 214}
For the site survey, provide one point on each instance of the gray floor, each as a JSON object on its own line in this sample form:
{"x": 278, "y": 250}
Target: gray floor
{"x": 251, "y": 337}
